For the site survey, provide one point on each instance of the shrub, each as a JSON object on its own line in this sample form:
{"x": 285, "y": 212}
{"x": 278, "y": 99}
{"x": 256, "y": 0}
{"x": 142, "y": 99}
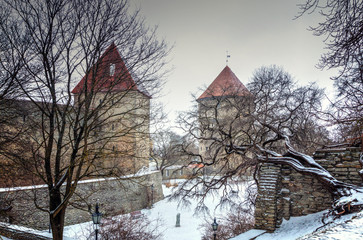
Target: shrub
{"x": 130, "y": 228}
{"x": 236, "y": 222}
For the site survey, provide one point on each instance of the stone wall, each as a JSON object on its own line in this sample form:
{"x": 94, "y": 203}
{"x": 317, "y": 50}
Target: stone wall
{"x": 285, "y": 193}
{"x": 115, "y": 196}
{"x": 266, "y": 207}
{"x": 17, "y": 234}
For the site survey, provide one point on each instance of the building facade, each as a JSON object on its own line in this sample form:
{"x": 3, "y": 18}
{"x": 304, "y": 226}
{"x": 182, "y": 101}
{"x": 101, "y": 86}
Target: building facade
{"x": 223, "y": 112}
{"x": 116, "y": 139}
{"x": 122, "y": 119}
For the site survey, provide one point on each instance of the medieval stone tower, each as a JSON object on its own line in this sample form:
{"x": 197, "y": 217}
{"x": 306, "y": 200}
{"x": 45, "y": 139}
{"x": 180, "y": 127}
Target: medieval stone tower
{"x": 121, "y": 124}
{"x": 223, "y": 115}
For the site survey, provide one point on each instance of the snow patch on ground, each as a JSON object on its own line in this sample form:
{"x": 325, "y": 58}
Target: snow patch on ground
{"x": 348, "y": 227}
{"x": 291, "y": 229}
{"x": 30, "y": 230}
{"x": 356, "y": 198}
{"x": 304, "y": 227}
{"x": 249, "y": 234}
{"x": 166, "y": 211}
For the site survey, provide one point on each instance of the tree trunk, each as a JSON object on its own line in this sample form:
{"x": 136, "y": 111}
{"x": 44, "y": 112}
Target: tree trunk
{"x": 56, "y": 219}
{"x": 57, "y": 224}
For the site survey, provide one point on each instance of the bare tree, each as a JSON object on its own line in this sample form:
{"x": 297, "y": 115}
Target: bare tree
{"x": 232, "y": 126}
{"x": 167, "y": 149}
{"x": 280, "y": 102}
{"x": 11, "y": 73}
{"x": 65, "y": 41}
{"x": 342, "y": 27}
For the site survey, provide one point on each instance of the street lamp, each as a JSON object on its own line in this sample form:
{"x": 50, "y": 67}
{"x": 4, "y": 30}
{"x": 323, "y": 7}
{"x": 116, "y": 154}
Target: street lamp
{"x": 96, "y": 218}
{"x": 215, "y": 228}
{"x": 152, "y": 194}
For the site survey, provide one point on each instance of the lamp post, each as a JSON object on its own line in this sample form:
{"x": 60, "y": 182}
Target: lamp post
{"x": 215, "y": 228}
{"x": 96, "y": 218}
{"x": 152, "y": 194}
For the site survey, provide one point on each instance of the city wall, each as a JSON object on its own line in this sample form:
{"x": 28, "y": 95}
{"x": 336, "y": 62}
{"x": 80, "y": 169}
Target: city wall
{"x": 285, "y": 193}
{"x": 115, "y": 196}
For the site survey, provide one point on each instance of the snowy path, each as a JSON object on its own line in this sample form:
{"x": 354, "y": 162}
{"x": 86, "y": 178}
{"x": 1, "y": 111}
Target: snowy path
{"x": 167, "y": 211}
{"x": 351, "y": 229}
{"x": 302, "y": 228}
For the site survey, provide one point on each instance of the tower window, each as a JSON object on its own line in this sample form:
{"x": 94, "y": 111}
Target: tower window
{"x": 112, "y": 69}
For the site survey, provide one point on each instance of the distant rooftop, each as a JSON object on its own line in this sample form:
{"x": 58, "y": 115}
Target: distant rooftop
{"x": 109, "y": 72}
{"x": 226, "y": 84}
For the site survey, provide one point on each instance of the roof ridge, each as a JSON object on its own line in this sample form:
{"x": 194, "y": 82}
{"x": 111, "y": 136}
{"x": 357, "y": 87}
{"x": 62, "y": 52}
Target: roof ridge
{"x": 101, "y": 78}
{"x": 225, "y": 84}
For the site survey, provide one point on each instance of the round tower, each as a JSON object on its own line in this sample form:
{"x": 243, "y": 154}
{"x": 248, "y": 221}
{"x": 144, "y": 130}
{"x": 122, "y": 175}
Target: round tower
{"x": 223, "y": 111}
{"x": 120, "y": 127}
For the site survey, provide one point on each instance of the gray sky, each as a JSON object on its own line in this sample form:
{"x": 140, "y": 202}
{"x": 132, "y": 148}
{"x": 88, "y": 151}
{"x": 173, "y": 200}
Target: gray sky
{"x": 255, "y": 32}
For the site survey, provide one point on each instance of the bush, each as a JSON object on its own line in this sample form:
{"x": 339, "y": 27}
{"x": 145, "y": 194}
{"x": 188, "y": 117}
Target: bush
{"x": 236, "y": 222}
{"x": 130, "y": 227}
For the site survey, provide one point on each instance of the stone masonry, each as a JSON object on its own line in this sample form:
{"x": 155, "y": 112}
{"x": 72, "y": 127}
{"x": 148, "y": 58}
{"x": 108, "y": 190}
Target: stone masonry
{"x": 285, "y": 193}
{"x": 115, "y": 196}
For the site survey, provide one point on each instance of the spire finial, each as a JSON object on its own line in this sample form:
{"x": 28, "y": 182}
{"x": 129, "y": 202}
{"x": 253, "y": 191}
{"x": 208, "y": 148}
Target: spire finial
{"x": 228, "y": 56}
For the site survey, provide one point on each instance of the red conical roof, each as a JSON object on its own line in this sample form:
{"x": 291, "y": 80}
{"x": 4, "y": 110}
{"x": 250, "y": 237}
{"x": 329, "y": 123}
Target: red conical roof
{"x": 226, "y": 84}
{"x": 99, "y": 78}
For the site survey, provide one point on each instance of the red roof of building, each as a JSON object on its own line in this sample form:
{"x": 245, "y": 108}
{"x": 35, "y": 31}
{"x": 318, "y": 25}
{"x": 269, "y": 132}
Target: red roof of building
{"x": 99, "y": 78}
{"x": 226, "y": 84}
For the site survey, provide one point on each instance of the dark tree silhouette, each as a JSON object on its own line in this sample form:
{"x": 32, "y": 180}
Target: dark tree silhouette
{"x": 233, "y": 129}
{"x": 52, "y": 44}
{"x": 342, "y": 27}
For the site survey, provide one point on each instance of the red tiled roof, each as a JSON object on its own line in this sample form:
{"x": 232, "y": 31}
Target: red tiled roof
{"x": 99, "y": 79}
{"x": 226, "y": 84}
{"x": 196, "y": 165}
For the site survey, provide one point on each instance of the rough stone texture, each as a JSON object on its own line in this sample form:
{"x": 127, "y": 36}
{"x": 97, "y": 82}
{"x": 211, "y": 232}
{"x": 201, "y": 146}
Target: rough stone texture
{"x": 115, "y": 196}
{"x": 285, "y": 193}
{"x": 266, "y": 202}
{"x": 19, "y": 235}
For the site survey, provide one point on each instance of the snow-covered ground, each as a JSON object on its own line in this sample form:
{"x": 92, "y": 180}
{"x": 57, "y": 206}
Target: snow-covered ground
{"x": 166, "y": 211}
{"x": 302, "y": 228}
{"x": 25, "y": 229}
{"x": 350, "y": 227}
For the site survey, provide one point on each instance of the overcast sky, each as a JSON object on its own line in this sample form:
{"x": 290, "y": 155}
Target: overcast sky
{"x": 255, "y": 32}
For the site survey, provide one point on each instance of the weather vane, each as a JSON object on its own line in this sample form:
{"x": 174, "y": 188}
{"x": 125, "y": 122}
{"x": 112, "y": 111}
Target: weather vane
{"x": 228, "y": 56}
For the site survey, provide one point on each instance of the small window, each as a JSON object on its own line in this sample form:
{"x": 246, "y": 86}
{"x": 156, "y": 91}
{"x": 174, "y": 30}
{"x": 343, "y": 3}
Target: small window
{"x": 112, "y": 69}
{"x": 113, "y": 148}
{"x": 24, "y": 118}
{"x": 100, "y": 101}
{"x": 181, "y": 172}
{"x": 167, "y": 173}
{"x": 113, "y": 127}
